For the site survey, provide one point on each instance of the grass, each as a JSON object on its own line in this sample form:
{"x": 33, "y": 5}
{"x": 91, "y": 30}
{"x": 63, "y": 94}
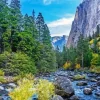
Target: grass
{"x": 79, "y": 77}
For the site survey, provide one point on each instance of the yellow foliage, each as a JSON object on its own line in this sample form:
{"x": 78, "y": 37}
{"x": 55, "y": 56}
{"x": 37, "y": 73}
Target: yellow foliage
{"x": 91, "y": 42}
{"x": 1, "y": 73}
{"x": 27, "y": 88}
{"x": 95, "y": 59}
{"x": 98, "y": 44}
{"x": 98, "y": 38}
{"x": 2, "y": 79}
{"x": 95, "y": 69}
{"x": 77, "y": 66}
{"x": 23, "y": 91}
{"x": 45, "y": 90}
{"x": 67, "y": 65}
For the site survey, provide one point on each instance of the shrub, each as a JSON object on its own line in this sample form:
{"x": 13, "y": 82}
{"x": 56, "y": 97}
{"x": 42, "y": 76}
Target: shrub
{"x": 77, "y": 66}
{"x": 24, "y": 90}
{"x": 1, "y": 73}
{"x": 22, "y": 75}
{"x": 67, "y": 65}
{"x": 2, "y": 79}
{"x": 16, "y": 63}
{"x": 91, "y": 42}
{"x": 95, "y": 69}
{"x": 95, "y": 60}
{"x": 27, "y": 88}
{"x": 45, "y": 90}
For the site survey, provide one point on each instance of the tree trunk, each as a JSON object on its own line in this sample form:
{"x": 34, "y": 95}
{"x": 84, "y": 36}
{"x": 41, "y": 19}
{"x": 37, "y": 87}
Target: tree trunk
{"x": 82, "y": 60}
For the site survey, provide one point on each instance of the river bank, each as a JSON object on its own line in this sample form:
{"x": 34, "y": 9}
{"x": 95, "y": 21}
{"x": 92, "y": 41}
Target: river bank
{"x": 85, "y": 88}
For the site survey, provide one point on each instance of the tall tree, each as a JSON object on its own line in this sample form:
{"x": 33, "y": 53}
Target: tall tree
{"x": 40, "y": 26}
{"x": 15, "y": 4}
{"x": 82, "y": 48}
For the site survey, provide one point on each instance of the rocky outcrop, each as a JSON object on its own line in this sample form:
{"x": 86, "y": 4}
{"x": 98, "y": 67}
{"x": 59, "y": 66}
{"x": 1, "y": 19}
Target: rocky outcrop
{"x": 64, "y": 87}
{"x": 59, "y": 41}
{"x": 86, "y": 19}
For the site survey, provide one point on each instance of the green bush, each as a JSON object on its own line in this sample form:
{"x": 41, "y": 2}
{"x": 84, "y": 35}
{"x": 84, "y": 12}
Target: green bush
{"x": 16, "y": 63}
{"x": 1, "y": 73}
{"x": 95, "y": 69}
{"x": 96, "y": 60}
{"x": 2, "y": 79}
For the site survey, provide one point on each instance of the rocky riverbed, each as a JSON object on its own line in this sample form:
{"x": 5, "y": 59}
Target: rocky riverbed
{"x": 67, "y": 87}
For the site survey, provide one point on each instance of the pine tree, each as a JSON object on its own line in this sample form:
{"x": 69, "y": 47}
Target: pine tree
{"x": 33, "y": 15}
{"x": 82, "y": 48}
{"x": 40, "y": 26}
{"x": 15, "y": 4}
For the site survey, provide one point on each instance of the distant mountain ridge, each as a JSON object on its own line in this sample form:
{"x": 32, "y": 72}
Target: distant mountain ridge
{"x": 86, "y": 19}
{"x": 59, "y": 41}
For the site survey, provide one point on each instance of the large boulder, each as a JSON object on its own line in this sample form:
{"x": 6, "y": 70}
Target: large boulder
{"x": 57, "y": 97}
{"x": 64, "y": 87}
{"x": 74, "y": 97}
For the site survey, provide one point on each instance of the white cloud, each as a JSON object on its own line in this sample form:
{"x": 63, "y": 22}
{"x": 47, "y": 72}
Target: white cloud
{"x": 47, "y": 2}
{"x": 61, "y": 26}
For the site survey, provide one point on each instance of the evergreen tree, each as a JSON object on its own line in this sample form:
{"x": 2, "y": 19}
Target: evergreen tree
{"x": 33, "y": 15}
{"x": 40, "y": 26}
{"x": 15, "y": 4}
{"x": 82, "y": 48}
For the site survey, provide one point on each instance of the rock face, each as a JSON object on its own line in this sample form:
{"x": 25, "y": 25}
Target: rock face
{"x": 86, "y": 19}
{"x": 59, "y": 41}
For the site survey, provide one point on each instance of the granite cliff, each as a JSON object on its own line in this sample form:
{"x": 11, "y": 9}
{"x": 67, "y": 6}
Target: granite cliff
{"x": 86, "y": 19}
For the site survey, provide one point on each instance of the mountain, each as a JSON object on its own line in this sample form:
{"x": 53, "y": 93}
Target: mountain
{"x": 86, "y": 19}
{"x": 59, "y": 41}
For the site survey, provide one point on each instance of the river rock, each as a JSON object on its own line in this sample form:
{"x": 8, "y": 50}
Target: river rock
{"x": 3, "y": 92}
{"x": 92, "y": 75}
{"x": 81, "y": 83}
{"x": 13, "y": 85}
{"x": 93, "y": 80}
{"x": 2, "y": 88}
{"x": 97, "y": 93}
{"x": 74, "y": 97}
{"x": 98, "y": 83}
{"x": 57, "y": 97}
{"x": 87, "y": 91}
{"x": 64, "y": 87}
{"x": 98, "y": 78}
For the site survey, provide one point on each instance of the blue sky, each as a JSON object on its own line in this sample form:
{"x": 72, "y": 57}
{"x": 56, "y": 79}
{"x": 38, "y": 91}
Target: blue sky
{"x": 58, "y": 14}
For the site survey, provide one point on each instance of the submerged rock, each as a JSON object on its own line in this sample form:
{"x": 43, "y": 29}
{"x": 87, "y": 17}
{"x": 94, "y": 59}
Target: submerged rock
{"x": 64, "y": 87}
{"x": 98, "y": 83}
{"x": 81, "y": 83}
{"x": 87, "y": 91}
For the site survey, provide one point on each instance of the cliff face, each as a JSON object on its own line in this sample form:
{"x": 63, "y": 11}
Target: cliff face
{"x": 86, "y": 19}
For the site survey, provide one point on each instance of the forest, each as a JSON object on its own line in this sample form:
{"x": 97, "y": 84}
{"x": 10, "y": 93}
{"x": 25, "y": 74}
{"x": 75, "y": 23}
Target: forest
{"x": 25, "y": 42}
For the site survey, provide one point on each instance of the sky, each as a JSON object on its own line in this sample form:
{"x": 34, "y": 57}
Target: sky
{"x": 58, "y": 14}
